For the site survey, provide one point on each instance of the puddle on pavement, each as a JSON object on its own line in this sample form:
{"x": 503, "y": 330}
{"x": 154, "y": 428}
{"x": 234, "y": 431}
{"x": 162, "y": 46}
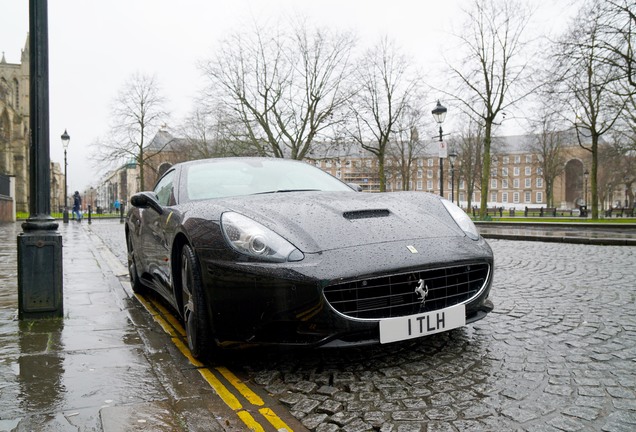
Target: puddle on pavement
{"x": 90, "y": 359}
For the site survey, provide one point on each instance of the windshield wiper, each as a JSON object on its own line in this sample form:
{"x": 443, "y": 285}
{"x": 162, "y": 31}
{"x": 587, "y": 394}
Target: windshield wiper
{"x": 287, "y": 190}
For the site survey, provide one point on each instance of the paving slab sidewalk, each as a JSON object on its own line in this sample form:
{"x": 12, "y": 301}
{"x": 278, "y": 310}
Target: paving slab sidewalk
{"x": 106, "y": 365}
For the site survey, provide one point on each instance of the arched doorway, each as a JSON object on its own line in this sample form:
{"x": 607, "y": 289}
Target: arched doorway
{"x": 574, "y": 194}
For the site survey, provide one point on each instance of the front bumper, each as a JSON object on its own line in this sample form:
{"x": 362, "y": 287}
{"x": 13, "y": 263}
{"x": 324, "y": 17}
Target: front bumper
{"x": 284, "y": 303}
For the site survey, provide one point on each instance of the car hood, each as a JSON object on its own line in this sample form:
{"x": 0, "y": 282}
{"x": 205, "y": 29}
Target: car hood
{"x": 321, "y": 221}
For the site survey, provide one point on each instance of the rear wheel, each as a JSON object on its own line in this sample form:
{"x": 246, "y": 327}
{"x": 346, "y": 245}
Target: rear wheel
{"x": 195, "y": 315}
{"x": 135, "y": 282}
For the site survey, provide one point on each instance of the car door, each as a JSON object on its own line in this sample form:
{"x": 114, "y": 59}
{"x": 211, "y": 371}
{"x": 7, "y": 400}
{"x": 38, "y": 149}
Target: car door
{"x": 158, "y": 227}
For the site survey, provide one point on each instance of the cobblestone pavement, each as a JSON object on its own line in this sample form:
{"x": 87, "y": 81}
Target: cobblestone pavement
{"x": 557, "y": 354}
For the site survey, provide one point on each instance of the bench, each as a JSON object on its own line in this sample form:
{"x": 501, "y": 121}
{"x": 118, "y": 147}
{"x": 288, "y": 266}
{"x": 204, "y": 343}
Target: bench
{"x": 542, "y": 211}
{"x": 493, "y": 211}
{"x": 618, "y": 212}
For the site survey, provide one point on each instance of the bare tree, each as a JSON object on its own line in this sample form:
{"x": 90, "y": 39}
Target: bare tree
{"x": 209, "y": 133}
{"x": 387, "y": 88}
{"x": 548, "y": 144}
{"x": 494, "y": 74}
{"x": 407, "y": 145}
{"x": 281, "y": 89}
{"x": 587, "y": 84}
{"x": 469, "y": 158}
{"x": 137, "y": 113}
{"x": 617, "y": 23}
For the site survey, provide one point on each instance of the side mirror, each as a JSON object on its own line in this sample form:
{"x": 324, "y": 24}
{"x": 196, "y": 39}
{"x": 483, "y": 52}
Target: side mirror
{"x": 355, "y": 186}
{"x": 146, "y": 200}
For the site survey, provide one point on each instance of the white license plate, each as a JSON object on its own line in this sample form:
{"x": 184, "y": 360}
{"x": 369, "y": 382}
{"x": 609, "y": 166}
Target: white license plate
{"x": 413, "y": 326}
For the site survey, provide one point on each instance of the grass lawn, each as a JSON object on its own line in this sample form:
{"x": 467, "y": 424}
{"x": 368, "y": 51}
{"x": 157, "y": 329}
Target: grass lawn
{"x": 610, "y": 221}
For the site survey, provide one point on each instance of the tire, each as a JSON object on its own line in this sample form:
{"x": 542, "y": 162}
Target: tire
{"x": 195, "y": 312}
{"x": 135, "y": 282}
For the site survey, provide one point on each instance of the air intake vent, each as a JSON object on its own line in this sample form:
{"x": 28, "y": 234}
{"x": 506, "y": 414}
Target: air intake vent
{"x": 396, "y": 295}
{"x": 366, "y": 214}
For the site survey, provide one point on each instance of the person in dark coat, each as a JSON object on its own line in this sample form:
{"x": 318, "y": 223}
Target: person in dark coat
{"x": 77, "y": 205}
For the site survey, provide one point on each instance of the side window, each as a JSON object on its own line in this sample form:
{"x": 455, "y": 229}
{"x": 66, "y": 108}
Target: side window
{"x": 163, "y": 190}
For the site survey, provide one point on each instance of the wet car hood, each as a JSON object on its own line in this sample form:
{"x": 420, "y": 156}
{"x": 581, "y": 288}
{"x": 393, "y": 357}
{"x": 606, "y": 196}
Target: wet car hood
{"x": 322, "y": 221}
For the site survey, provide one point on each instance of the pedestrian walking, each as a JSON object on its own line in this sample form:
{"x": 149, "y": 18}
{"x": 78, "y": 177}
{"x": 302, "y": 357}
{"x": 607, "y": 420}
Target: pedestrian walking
{"x": 77, "y": 205}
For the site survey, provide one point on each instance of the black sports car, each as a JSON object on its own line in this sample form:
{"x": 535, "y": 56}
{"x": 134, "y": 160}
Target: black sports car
{"x": 271, "y": 251}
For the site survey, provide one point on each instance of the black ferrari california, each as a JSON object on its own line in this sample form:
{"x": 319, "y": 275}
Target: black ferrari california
{"x": 259, "y": 251}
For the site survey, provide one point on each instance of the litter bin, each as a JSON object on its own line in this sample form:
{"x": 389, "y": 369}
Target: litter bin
{"x": 583, "y": 211}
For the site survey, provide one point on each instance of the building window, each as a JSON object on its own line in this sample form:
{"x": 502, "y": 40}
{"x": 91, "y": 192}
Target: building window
{"x": 515, "y": 197}
{"x": 328, "y": 164}
{"x": 493, "y": 172}
{"x": 429, "y": 184}
{"x": 506, "y": 160}
{"x": 517, "y": 159}
{"x": 515, "y": 183}
{"x": 504, "y": 184}
{"x": 430, "y": 162}
{"x": 504, "y": 197}
{"x": 528, "y": 159}
{"x": 317, "y": 163}
{"x": 504, "y": 172}
{"x": 462, "y": 185}
{"x": 493, "y": 197}
{"x": 493, "y": 183}
{"x": 528, "y": 171}
{"x": 16, "y": 86}
{"x": 539, "y": 171}
{"x": 539, "y": 182}
{"x": 429, "y": 173}
{"x": 419, "y": 185}
{"x": 528, "y": 197}
{"x": 539, "y": 197}
{"x": 420, "y": 162}
{"x": 419, "y": 173}
{"x": 338, "y": 174}
{"x": 517, "y": 171}
{"x": 528, "y": 183}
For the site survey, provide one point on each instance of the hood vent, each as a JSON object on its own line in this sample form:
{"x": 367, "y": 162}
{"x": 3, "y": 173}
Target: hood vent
{"x": 366, "y": 214}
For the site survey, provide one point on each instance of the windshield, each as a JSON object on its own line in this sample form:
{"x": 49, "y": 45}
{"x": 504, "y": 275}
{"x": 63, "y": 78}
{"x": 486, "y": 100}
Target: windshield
{"x": 220, "y": 178}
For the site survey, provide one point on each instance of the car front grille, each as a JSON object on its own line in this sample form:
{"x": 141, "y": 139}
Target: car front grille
{"x": 397, "y": 295}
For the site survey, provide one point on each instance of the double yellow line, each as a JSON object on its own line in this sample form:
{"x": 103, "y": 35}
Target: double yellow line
{"x": 212, "y": 375}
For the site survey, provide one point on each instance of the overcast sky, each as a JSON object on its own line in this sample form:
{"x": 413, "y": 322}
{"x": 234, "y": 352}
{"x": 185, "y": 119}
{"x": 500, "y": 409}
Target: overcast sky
{"x": 95, "y": 46}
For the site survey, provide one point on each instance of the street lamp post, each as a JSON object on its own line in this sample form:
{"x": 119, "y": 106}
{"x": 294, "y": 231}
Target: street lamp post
{"x": 65, "y": 140}
{"x": 451, "y": 158}
{"x": 439, "y": 114}
{"x": 586, "y": 174}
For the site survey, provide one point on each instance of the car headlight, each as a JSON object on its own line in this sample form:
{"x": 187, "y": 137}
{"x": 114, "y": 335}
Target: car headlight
{"x": 253, "y": 239}
{"x": 462, "y": 219}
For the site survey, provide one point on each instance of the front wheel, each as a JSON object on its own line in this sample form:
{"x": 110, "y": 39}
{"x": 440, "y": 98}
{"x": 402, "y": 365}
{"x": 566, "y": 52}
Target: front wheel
{"x": 195, "y": 315}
